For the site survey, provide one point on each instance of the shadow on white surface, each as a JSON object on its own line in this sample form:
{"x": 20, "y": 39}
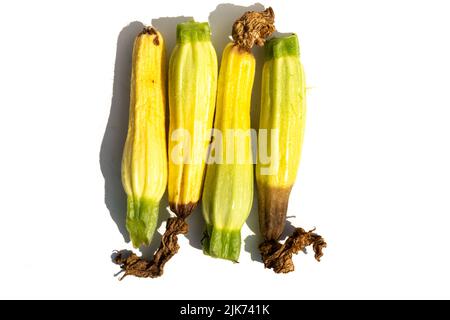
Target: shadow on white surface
{"x": 221, "y": 21}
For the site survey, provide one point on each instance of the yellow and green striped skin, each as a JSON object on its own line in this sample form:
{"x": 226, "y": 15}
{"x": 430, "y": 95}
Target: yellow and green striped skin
{"x": 192, "y": 96}
{"x": 283, "y": 107}
{"x": 228, "y": 192}
{"x": 144, "y": 162}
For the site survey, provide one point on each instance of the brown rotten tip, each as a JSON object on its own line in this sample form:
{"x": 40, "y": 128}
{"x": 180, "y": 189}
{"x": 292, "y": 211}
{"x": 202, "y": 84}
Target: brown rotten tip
{"x": 150, "y": 31}
{"x": 253, "y": 28}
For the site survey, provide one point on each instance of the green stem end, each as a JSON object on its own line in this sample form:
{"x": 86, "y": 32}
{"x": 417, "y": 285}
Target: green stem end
{"x": 142, "y": 217}
{"x": 223, "y": 244}
{"x": 192, "y": 31}
{"x": 282, "y": 47}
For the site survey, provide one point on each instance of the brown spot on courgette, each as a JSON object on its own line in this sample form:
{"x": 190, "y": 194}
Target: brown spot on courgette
{"x": 151, "y": 31}
{"x": 272, "y": 209}
{"x": 148, "y": 30}
{"x": 183, "y": 210}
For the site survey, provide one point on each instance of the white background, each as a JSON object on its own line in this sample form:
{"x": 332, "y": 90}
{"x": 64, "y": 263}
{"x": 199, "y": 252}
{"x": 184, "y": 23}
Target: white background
{"x": 374, "y": 177}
